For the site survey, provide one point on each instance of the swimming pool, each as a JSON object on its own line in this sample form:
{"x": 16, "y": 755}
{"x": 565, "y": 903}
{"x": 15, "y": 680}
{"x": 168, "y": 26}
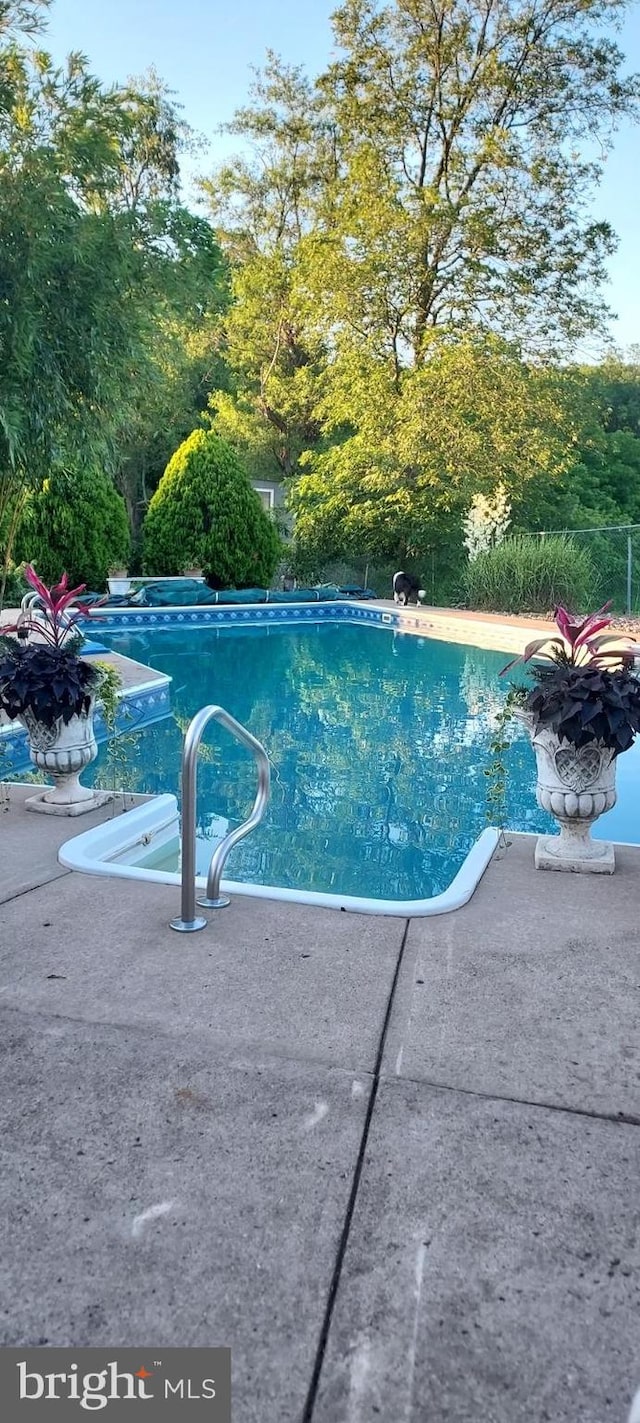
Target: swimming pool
{"x": 379, "y": 744}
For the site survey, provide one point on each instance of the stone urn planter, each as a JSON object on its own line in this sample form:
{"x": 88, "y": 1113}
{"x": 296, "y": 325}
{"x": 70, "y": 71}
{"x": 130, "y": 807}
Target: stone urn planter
{"x": 581, "y": 708}
{"x": 576, "y": 785}
{"x": 51, "y": 690}
{"x": 63, "y": 751}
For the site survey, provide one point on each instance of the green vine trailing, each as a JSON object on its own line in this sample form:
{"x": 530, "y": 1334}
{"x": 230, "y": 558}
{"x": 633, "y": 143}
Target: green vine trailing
{"x": 117, "y": 767}
{"x": 108, "y": 694}
{"x": 496, "y": 771}
{"x": 4, "y": 790}
{"x": 32, "y": 778}
{"x": 113, "y": 777}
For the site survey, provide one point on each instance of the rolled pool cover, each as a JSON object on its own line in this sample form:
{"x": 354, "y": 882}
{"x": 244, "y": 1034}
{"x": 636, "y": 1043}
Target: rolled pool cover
{"x": 191, "y": 594}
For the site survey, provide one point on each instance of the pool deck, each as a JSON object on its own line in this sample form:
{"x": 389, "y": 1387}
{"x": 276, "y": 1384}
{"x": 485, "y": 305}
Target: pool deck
{"x": 394, "y": 1165}
{"x": 493, "y": 630}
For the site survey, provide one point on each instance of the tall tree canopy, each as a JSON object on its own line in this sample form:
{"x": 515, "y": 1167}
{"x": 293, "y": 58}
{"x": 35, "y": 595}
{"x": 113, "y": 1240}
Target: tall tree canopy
{"x": 262, "y": 205}
{"x": 601, "y": 484}
{"x": 108, "y": 284}
{"x": 427, "y": 196}
{"x": 460, "y": 194}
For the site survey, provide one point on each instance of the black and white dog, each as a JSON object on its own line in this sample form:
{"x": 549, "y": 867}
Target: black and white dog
{"x": 405, "y": 589}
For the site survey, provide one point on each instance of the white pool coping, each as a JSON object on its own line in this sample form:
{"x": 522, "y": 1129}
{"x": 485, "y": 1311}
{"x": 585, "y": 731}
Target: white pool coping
{"x": 94, "y": 850}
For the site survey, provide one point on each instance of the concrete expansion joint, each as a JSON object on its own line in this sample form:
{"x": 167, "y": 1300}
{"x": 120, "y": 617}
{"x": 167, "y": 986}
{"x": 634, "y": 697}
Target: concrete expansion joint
{"x": 619, "y": 1118}
{"x": 32, "y": 888}
{"x": 51, "y": 1015}
{"x": 308, "y": 1411}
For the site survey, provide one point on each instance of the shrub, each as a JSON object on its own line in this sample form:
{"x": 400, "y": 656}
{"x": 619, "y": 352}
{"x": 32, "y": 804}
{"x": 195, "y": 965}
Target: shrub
{"x": 530, "y": 575}
{"x": 205, "y": 514}
{"x": 76, "y": 521}
{"x": 15, "y": 587}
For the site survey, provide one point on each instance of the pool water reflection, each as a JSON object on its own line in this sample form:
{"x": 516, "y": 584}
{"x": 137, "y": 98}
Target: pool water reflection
{"x": 379, "y": 746}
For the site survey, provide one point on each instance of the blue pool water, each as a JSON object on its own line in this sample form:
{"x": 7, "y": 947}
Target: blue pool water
{"x": 379, "y": 745}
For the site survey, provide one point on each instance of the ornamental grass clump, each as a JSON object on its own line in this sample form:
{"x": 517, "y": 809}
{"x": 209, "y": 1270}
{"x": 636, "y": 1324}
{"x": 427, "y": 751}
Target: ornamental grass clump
{"x": 523, "y": 574}
{"x": 583, "y": 684}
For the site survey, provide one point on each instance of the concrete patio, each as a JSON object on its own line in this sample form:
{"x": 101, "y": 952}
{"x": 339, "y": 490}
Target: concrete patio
{"x": 394, "y": 1166}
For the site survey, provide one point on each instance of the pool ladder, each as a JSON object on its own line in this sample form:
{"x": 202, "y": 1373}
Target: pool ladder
{"x": 189, "y": 921}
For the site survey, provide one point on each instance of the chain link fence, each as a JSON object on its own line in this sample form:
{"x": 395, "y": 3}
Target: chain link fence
{"x": 343, "y": 573}
{"x": 614, "y": 553}
{"x": 439, "y": 574}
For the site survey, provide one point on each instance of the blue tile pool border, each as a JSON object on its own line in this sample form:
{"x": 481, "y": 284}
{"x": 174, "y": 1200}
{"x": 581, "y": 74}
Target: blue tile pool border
{"x": 111, "y": 620}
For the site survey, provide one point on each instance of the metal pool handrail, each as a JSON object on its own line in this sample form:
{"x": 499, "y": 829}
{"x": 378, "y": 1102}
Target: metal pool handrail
{"x": 189, "y": 920}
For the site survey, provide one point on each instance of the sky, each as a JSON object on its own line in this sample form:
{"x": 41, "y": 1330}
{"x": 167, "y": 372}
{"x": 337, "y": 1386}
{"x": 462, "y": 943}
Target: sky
{"x": 205, "y": 49}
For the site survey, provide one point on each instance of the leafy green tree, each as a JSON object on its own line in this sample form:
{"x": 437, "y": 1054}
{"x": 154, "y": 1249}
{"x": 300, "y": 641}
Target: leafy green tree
{"x": 22, "y": 17}
{"x": 429, "y": 191}
{"x": 407, "y": 458}
{"x": 260, "y": 205}
{"x": 152, "y": 135}
{"x": 71, "y": 328}
{"x": 599, "y": 488}
{"x": 433, "y": 174}
{"x": 109, "y": 287}
{"x": 205, "y": 513}
{"x": 615, "y": 388}
{"x": 76, "y": 522}
{"x": 610, "y": 464}
{"x": 184, "y": 361}
{"x": 461, "y": 192}
{"x": 600, "y": 482}
{"x": 269, "y": 411}
{"x": 186, "y": 288}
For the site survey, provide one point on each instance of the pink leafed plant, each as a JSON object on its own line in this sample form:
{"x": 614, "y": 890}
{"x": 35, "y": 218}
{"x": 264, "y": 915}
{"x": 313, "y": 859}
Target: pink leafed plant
{"x": 582, "y": 685}
{"x": 56, "y": 625}
{"x": 581, "y": 644}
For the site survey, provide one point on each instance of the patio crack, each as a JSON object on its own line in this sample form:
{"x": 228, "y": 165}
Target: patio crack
{"x": 622, "y": 1118}
{"x": 307, "y": 1413}
{"x": 31, "y": 888}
